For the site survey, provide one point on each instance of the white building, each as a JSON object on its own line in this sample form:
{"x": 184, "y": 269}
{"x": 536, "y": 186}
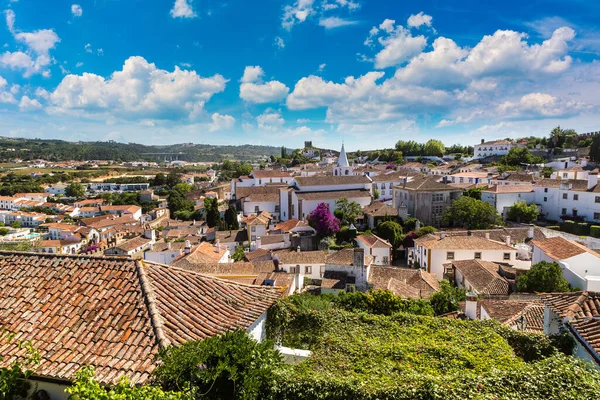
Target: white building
{"x": 379, "y": 248}
{"x": 493, "y": 148}
{"x": 580, "y": 265}
{"x": 504, "y": 197}
{"x": 431, "y": 252}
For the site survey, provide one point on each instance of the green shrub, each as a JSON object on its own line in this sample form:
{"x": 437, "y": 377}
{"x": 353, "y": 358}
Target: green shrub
{"x": 554, "y": 227}
{"x": 568, "y": 226}
{"x": 582, "y": 229}
{"x": 382, "y": 302}
{"x": 595, "y": 231}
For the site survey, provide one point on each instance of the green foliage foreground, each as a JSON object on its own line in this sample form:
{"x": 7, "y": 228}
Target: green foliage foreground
{"x": 357, "y": 355}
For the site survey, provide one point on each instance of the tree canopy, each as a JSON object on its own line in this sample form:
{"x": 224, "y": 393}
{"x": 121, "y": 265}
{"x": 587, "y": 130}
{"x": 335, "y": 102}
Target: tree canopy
{"x": 543, "y": 277}
{"x": 392, "y": 232}
{"x": 433, "y": 147}
{"x": 471, "y": 213}
{"x": 348, "y": 211}
{"x": 595, "y": 148}
{"x": 447, "y": 299}
{"x": 521, "y": 212}
{"x": 75, "y": 189}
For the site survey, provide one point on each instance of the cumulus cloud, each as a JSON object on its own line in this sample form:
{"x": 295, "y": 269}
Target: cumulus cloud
{"x": 270, "y": 120}
{"x": 541, "y": 105}
{"x": 139, "y": 91}
{"x": 220, "y": 123}
{"x": 27, "y": 104}
{"x": 5, "y": 95}
{"x": 253, "y": 90}
{"x": 183, "y": 9}
{"x": 36, "y": 58}
{"x": 298, "y": 12}
{"x": 76, "y": 10}
{"x": 398, "y": 44}
{"x": 417, "y": 20}
{"x": 335, "y": 22}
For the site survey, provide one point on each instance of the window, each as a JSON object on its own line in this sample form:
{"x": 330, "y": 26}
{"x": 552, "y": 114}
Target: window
{"x": 596, "y": 215}
{"x": 308, "y": 270}
{"x": 597, "y": 199}
{"x": 565, "y": 175}
{"x": 545, "y": 190}
{"x": 253, "y": 229}
{"x": 477, "y": 256}
{"x": 425, "y": 252}
{"x": 575, "y": 197}
{"x": 437, "y": 209}
{"x": 545, "y": 199}
{"x": 437, "y": 197}
{"x": 450, "y": 255}
{"x": 507, "y": 256}
{"x": 256, "y": 209}
{"x": 276, "y": 208}
{"x": 564, "y": 211}
{"x": 386, "y": 260}
{"x": 565, "y": 196}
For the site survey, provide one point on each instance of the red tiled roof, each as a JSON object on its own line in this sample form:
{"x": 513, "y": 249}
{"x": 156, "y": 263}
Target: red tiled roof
{"x": 114, "y": 314}
{"x": 559, "y": 248}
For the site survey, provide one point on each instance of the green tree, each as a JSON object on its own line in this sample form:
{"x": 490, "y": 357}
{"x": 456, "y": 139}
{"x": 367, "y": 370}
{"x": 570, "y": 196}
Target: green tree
{"x": 543, "y": 277}
{"x": 160, "y": 180}
{"x": 547, "y": 172}
{"x": 183, "y": 188}
{"x": 349, "y": 211}
{"x": 15, "y": 224}
{"x": 211, "y": 209}
{"x": 283, "y": 152}
{"x": 174, "y": 178}
{"x": 228, "y": 366}
{"x": 447, "y": 299}
{"x": 409, "y": 148}
{"x": 433, "y": 147}
{"x": 178, "y": 203}
{"x": 471, "y": 213}
{"x": 595, "y": 148}
{"x": 521, "y": 212}
{"x": 243, "y": 169}
{"x": 231, "y": 220}
{"x": 227, "y": 166}
{"x": 473, "y": 192}
{"x": 518, "y": 156}
{"x": 376, "y": 194}
{"x": 238, "y": 254}
{"x": 75, "y": 189}
{"x": 4, "y": 231}
{"x": 392, "y": 232}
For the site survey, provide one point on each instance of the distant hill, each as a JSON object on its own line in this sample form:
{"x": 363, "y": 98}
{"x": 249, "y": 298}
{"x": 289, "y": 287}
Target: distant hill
{"x": 58, "y": 150}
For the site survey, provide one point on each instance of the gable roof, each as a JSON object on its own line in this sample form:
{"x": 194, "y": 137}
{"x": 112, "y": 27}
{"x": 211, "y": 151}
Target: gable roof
{"x": 270, "y": 173}
{"x": 574, "y": 305}
{"x": 373, "y": 241}
{"x": 427, "y": 184}
{"x": 559, "y": 248}
{"x": 114, "y": 314}
{"x": 461, "y": 243}
{"x": 483, "y": 276}
{"x": 405, "y": 282}
{"x": 320, "y": 180}
{"x": 379, "y": 209}
{"x": 328, "y": 195}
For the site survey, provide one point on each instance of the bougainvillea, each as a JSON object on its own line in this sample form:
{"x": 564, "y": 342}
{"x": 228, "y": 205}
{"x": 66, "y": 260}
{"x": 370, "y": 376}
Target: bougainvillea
{"x": 323, "y": 221}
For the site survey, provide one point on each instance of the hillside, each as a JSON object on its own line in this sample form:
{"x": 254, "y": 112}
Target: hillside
{"x": 57, "y": 150}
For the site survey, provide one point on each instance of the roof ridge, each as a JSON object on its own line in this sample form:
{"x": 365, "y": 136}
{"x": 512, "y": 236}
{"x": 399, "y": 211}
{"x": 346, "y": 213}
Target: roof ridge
{"x": 150, "y": 301}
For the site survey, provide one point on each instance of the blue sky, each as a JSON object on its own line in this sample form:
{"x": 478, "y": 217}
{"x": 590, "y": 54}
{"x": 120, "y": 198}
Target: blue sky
{"x": 368, "y": 72}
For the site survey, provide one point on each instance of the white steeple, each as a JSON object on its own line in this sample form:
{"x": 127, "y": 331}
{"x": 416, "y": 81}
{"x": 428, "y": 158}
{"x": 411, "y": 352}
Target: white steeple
{"x": 343, "y": 160}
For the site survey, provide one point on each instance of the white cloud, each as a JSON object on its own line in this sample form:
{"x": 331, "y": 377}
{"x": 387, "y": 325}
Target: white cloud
{"x": 182, "y": 9}
{"x": 279, "y": 43}
{"x": 5, "y": 96}
{"x": 322, "y": 67}
{"x": 139, "y": 91}
{"x": 185, "y": 65}
{"x": 298, "y": 12}
{"x": 79, "y": 65}
{"x": 398, "y": 44}
{"x": 335, "y": 22}
{"x": 220, "y": 123}
{"x": 10, "y": 20}
{"x": 76, "y": 10}
{"x": 36, "y": 58}
{"x": 42, "y": 93}
{"x": 417, "y": 20}
{"x": 14, "y": 89}
{"x": 27, "y": 104}
{"x": 541, "y": 105}
{"x": 253, "y": 90}
{"x": 270, "y": 120}
{"x": 88, "y": 48}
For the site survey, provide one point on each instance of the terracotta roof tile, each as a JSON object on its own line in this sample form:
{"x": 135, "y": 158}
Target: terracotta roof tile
{"x": 114, "y": 314}
{"x": 559, "y": 248}
{"x": 331, "y": 180}
{"x": 574, "y": 305}
{"x": 483, "y": 276}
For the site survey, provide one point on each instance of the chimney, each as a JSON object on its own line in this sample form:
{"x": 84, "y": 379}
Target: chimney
{"x": 482, "y": 141}
{"x": 258, "y": 242}
{"x": 298, "y": 249}
{"x": 592, "y": 180}
{"x": 507, "y": 240}
{"x": 169, "y": 246}
{"x": 487, "y": 235}
{"x": 417, "y": 225}
{"x": 188, "y": 247}
{"x": 443, "y": 235}
{"x": 359, "y": 257}
{"x": 471, "y": 305}
{"x": 583, "y": 162}
{"x": 469, "y": 233}
{"x": 530, "y": 232}
{"x": 150, "y": 234}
